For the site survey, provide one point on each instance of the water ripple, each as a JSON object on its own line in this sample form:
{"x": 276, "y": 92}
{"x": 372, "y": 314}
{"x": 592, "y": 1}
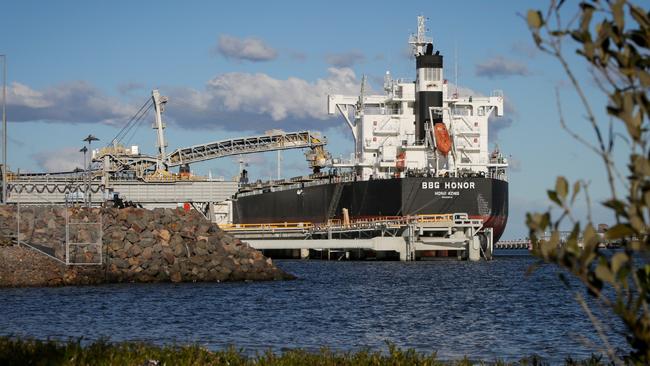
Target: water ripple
{"x": 483, "y": 310}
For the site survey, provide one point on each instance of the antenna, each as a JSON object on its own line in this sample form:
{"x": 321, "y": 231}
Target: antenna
{"x": 456, "y": 68}
{"x": 362, "y": 96}
{"x": 419, "y": 41}
{"x": 242, "y": 163}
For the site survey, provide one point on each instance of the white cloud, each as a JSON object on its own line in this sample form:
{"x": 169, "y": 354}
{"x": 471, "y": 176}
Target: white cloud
{"x": 499, "y": 67}
{"x": 126, "y": 88}
{"x": 239, "y": 101}
{"x": 77, "y": 102}
{"x": 250, "y": 49}
{"x": 346, "y": 59}
{"x": 524, "y": 48}
{"x": 232, "y": 101}
{"x": 23, "y": 95}
{"x": 61, "y": 160}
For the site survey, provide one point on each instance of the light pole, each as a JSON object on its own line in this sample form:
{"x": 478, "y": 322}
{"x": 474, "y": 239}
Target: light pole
{"x": 4, "y": 129}
{"x": 88, "y": 139}
{"x": 84, "y": 150}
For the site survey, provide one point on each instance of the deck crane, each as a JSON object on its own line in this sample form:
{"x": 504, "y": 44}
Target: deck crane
{"x": 118, "y": 160}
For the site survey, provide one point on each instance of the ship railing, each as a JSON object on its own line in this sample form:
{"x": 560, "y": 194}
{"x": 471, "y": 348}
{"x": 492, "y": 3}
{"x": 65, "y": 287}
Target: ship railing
{"x": 394, "y": 220}
{"x": 435, "y": 218}
{"x": 27, "y": 177}
{"x": 267, "y": 226}
{"x": 364, "y": 223}
{"x": 334, "y": 222}
{"x": 295, "y": 182}
{"x": 499, "y": 175}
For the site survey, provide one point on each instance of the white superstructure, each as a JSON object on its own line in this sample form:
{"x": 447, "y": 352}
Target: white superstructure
{"x": 384, "y": 128}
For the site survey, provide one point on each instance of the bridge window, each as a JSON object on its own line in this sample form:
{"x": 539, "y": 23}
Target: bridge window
{"x": 462, "y": 110}
{"x": 373, "y": 109}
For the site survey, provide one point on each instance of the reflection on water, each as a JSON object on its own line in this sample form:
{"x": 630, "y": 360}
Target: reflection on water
{"x": 483, "y": 310}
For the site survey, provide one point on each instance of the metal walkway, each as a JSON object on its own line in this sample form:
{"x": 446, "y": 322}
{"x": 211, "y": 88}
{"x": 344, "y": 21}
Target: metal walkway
{"x": 46, "y": 190}
{"x": 406, "y": 235}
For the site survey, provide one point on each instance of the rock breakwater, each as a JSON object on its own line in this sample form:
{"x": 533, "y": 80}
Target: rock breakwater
{"x": 133, "y": 245}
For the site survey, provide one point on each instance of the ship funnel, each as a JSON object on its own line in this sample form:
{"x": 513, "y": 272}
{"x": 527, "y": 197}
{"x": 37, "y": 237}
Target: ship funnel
{"x": 428, "y": 91}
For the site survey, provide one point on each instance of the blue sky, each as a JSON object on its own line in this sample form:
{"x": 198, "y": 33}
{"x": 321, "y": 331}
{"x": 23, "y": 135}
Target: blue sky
{"x": 240, "y": 68}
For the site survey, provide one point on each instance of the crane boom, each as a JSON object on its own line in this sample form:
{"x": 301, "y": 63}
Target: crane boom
{"x": 118, "y": 160}
{"x": 245, "y": 145}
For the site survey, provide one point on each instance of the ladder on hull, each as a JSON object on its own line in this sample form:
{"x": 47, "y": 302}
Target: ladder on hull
{"x": 334, "y": 202}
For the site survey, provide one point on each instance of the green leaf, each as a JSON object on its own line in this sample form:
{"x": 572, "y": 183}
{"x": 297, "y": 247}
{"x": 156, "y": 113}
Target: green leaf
{"x": 604, "y": 274}
{"x": 561, "y": 187}
{"x": 637, "y": 223}
{"x": 572, "y": 241}
{"x": 538, "y": 40}
{"x": 548, "y": 248}
{"x": 552, "y": 195}
{"x": 641, "y": 164}
{"x": 535, "y": 19}
{"x": 617, "y": 11}
{"x": 576, "y": 190}
{"x": 644, "y": 78}
{"x": 590, "y": 238}
{"x": 585, "y": 19}
{"x": 618, "y": 206}
{"x": 619, "y": 231}
{"x": 640, "y": 16}
{"x": 646, "y": 198}
{"x": 618, "y": 260}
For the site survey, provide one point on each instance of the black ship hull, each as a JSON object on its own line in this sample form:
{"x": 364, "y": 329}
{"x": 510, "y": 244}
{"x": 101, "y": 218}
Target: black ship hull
{"x": 479, "y": 197}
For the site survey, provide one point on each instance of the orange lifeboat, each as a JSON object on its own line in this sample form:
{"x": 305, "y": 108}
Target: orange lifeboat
{"x": 443, "y": 142}
{"x": 401, "y": 163}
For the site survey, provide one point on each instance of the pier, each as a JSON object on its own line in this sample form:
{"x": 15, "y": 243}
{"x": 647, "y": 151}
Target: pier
{"x": 514, "y": 244}
{"x": 411, "y": 237}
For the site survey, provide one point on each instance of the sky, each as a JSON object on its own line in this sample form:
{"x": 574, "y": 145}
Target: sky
{"x": 241, "y": 68}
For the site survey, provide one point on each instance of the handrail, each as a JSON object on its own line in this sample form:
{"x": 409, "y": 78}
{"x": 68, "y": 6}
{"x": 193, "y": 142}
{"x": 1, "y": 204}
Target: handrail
{"x": 360, "y": 222}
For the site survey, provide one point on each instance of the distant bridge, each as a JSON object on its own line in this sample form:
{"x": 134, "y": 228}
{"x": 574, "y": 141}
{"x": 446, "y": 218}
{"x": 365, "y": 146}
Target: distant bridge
{"x": 513, "y": 244}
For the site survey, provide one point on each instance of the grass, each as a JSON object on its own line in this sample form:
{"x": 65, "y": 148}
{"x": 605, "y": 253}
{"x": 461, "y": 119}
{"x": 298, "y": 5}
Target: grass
{"x": 36, "y": 352}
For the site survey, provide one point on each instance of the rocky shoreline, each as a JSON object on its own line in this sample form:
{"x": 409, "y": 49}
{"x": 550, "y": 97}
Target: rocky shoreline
{"x": 137, "y": 245}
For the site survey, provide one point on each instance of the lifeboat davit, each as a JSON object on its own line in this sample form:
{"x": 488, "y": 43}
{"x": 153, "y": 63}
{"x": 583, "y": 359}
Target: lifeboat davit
{"x": 443, "y": 142}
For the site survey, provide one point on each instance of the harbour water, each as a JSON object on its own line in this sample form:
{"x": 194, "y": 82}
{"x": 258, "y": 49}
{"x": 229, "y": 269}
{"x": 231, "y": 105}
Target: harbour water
{"x": 483, "y": 310}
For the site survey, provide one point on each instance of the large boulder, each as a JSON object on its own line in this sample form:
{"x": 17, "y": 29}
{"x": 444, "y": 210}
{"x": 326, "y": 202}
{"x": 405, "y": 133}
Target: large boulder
{"x": 137, "y": 245}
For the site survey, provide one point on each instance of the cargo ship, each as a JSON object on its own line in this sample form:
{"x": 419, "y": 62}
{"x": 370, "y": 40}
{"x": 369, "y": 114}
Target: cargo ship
{"x": 419, "y": 148}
